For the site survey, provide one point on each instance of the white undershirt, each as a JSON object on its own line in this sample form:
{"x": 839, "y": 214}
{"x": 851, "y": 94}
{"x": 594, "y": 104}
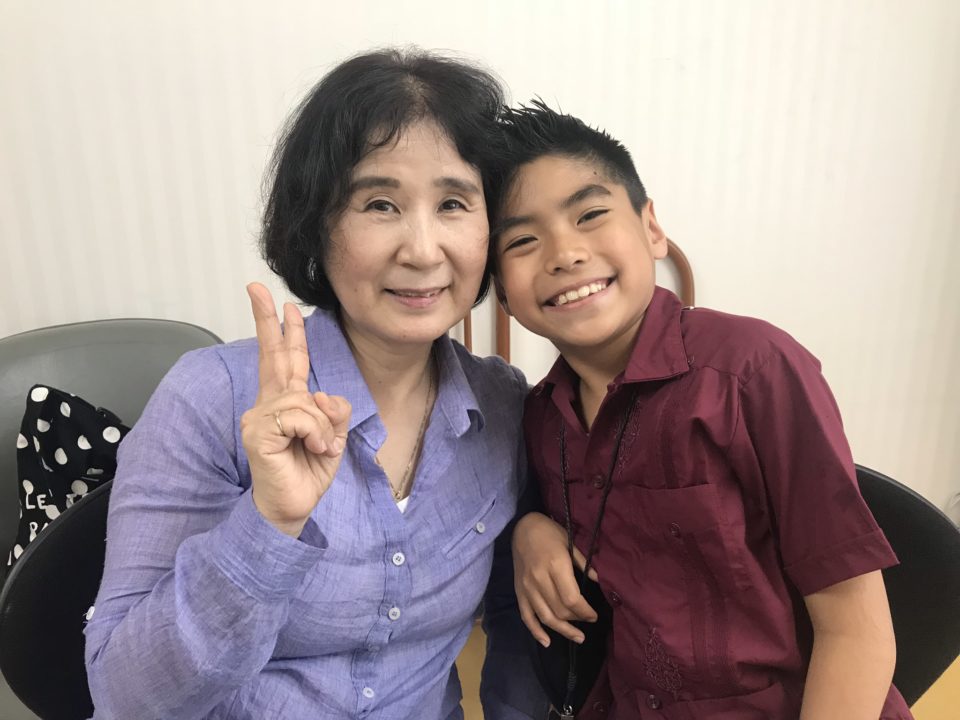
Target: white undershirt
{"x": 402, "y": 504}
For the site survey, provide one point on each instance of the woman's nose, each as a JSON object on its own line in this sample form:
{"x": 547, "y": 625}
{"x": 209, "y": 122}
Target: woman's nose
{"x": 421, "y": 243}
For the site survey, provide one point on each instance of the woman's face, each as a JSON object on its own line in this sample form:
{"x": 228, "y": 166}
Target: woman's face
{"x": 408, "y": 252}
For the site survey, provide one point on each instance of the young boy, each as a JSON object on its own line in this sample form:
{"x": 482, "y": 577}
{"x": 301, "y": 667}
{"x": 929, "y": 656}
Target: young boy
{"x": 740, "y": 562}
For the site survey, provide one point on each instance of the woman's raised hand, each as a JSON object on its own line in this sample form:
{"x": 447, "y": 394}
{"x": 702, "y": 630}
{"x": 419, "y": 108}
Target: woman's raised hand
{"x": 294, "y": 438}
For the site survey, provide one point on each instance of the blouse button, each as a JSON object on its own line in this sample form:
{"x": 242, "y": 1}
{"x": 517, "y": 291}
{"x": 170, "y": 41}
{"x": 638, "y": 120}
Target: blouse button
{"x": 394, "y": 613}
{"x": 615, "y": 598}
{"x": 598, "y": 481}
{"x": 399, "y": 558}
{"x": 675, "y": 530}
{"x": 368, "y": 693}
{"x": 599, "y": 708}
{"x": 480, "y": 527}
{"x": 653, "y": 702}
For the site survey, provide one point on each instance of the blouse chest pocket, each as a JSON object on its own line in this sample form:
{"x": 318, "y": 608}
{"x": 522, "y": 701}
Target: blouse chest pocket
{"x": 691, "y": 526}
{"x": 479, "y": 530}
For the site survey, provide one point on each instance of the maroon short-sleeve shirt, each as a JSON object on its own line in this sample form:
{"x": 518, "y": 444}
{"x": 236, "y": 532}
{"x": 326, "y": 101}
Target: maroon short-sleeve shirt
{"x": 733, "y": 497}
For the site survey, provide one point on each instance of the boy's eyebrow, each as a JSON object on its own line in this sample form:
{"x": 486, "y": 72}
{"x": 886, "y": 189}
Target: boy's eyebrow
{"x": 458, "y": 184}
{"x": 583, "y": 193}
{"x": 369, "y": 182}
{"x": 508, "y": 223}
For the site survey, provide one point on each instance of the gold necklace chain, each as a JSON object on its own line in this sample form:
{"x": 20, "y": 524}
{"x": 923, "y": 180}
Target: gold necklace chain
{"x": 406, "y": 479}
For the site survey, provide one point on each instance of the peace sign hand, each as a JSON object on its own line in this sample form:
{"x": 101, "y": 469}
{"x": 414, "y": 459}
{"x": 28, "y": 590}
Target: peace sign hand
{"x": 294, "y": 439}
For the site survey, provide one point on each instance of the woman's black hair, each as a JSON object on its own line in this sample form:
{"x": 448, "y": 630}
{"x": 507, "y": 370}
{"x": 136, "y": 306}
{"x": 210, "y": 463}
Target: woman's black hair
{"x": 364, "y": 103}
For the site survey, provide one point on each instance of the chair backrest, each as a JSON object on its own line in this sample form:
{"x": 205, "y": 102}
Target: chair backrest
{"x": 115, "y": 364}
{"x": 924, "y": 589}
{"x": 43, "y": 606}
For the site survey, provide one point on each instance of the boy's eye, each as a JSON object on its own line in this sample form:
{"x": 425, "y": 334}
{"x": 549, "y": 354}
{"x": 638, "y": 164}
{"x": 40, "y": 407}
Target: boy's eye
{"x": 592, "y": 215}
{"x": 384, "y": 206}
{"x": 517, "y": 242}
{"x": 452, "y": 204}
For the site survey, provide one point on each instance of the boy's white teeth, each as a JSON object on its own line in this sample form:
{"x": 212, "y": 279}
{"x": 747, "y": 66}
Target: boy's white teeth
{"x": 580, "y": 292}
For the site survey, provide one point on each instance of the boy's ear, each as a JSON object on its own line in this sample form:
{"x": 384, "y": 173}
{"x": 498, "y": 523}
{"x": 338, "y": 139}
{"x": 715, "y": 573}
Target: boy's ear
{"x": 501, "y": 295}
{"x": 655, "y": 234}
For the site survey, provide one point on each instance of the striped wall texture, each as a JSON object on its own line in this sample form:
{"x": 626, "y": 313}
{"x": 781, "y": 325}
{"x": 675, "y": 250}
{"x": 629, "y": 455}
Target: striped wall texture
{"x": 806, "y": 157}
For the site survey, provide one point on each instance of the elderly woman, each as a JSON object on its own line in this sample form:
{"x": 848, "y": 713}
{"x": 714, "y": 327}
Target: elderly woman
{"x": 302, "y": 525}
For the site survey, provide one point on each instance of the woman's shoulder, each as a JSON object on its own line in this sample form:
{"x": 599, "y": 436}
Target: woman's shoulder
{"x": 227, "y": 369}
{"x": 491, "y": 373}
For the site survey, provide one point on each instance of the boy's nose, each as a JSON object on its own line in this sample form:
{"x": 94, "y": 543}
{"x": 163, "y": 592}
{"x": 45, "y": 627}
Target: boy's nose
{"x": 567, "y": 251}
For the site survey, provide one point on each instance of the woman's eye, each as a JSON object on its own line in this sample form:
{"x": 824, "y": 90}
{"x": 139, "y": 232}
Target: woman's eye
{"x": 592, "y": 215}
{"x": 452, "y": 204}
{"x": 384, "y": 206}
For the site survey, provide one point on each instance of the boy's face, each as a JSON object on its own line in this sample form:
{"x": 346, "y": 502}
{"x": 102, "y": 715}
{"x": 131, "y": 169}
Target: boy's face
{"x": 575, "y": 262}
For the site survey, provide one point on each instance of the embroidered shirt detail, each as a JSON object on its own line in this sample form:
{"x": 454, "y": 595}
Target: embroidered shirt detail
{"x": 660, "y": 667}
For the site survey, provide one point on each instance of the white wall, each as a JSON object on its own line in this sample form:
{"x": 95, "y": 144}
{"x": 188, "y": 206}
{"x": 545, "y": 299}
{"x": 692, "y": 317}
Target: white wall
{"x": 806, "y": 156}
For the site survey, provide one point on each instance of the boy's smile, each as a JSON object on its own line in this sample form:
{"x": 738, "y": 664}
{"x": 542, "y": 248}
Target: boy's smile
{"x": 575, "y": 261}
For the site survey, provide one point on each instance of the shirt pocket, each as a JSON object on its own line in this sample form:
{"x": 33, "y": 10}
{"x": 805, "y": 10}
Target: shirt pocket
{"x": 689, "y": 525}
{"x": 478, "y": 531}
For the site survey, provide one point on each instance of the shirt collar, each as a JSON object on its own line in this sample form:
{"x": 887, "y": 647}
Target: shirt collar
{"x": 335, "y": 371}
{"x": 658, "y": 352}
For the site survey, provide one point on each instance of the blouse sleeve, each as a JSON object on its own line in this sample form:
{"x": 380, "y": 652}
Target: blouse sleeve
{"x": 196, "y": 583}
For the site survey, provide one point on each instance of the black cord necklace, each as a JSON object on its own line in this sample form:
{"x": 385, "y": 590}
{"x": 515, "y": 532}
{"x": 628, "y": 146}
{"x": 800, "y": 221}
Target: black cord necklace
{"x": 567, "y": 711}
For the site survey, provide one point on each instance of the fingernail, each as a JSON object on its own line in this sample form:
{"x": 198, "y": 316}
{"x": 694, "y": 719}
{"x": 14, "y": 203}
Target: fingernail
{"x": 338, "y": 444}
{"x": 579, "y": 639}
{"x": 545, "y": 642}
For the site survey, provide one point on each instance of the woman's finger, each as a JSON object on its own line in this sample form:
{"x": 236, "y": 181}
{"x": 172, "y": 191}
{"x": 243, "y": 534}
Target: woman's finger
{"x": 272, "y": 353}
{"x": 337, "y": 409}
{"x": 269, "y": 426}
{"x": 295, "y": 344}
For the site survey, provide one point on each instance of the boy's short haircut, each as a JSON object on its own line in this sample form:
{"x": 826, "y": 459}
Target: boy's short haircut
{"x": 534, "y": 131}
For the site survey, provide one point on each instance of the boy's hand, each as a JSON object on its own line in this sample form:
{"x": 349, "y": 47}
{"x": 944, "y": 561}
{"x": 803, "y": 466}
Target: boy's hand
{"x": 547, "y": 590}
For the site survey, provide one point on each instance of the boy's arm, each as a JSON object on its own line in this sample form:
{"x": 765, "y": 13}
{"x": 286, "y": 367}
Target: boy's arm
{"x": 854, "y": 650}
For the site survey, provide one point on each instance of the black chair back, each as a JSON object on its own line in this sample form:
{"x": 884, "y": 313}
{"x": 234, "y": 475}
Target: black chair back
{"x": 924, "y": 589}
{"x": 43, "y": 608}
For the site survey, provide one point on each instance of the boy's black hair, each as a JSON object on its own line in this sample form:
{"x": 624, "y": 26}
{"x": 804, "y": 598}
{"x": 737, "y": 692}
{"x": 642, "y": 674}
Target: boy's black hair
{"x": 364, "y": 103}
{"x": 533, "y": 131}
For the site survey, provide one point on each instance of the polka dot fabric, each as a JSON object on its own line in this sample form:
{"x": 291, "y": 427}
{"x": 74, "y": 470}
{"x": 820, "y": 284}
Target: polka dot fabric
{"x": 66, "y": 447}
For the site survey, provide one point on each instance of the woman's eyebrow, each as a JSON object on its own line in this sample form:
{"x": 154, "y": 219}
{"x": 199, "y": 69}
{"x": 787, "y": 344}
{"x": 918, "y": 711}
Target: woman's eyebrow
{"x": 369, "y": 182}
{"x": 458, "y": 184}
